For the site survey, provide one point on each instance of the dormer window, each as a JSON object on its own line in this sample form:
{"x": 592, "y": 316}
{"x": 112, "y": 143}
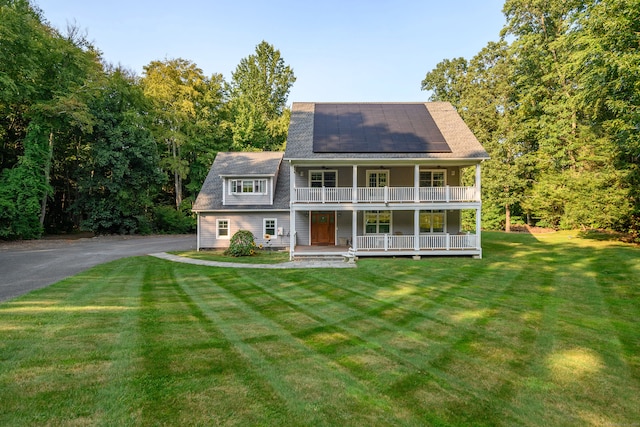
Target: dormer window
{"x": 248, "y": 186}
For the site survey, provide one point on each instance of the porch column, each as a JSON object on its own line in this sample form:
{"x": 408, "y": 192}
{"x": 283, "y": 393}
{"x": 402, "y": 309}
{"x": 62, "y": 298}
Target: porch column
{"x": 354, "y": 185}
{"x": 478, "y": 184}
{"x": 198, "y": 225}
{"x": 292, "y": 183}
{"x": 416, "y": 183}
{"x": 478, "y": 227}
{"x": 416, "y": 229}
{"x": 478, "y": 210}
{"x": 354, "y": 229}
{"x": 292, "y": 211}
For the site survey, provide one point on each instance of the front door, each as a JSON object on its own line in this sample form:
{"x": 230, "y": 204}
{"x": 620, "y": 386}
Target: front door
{"x": 323, "y": 228}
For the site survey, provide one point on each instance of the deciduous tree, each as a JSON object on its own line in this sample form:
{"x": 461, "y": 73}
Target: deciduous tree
{"x": 258, "y": 93}
{"x": 186, "y": 115}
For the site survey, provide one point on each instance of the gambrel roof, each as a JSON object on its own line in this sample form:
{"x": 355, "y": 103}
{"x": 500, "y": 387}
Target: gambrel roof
{"x": 244, "y": 165}
{"x": 431, "y": 130}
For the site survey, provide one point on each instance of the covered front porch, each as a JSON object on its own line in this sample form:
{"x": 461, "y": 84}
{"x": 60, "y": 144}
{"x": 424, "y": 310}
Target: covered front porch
{"x": 381, "y": 232}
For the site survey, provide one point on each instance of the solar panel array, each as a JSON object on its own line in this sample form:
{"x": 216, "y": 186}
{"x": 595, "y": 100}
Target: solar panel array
{"x": 376, "y": 128}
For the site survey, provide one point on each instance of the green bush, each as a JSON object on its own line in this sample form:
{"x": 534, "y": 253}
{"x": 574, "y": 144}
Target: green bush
{"x": 169, "y": 220}
{"x": 241, "y": 244}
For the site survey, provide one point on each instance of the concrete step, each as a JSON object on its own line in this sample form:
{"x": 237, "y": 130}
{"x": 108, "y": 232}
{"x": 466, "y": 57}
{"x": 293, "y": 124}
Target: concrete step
{"x": 318, "y": 258}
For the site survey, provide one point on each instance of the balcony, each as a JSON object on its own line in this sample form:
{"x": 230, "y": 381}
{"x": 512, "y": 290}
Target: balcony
{"x": 385, "y": 194}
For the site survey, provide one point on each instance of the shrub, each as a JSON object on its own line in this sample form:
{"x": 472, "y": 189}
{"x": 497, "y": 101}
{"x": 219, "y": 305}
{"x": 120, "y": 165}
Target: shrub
{"x": 170, "y": 220}
{"x": 241, "y": 244}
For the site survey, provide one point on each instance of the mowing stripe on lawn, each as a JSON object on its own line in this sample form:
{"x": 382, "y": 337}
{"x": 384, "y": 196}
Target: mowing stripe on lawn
{"x": 301, "y": 385}
{"x": 389, "y": 346}
{"x": 77, "y": 340}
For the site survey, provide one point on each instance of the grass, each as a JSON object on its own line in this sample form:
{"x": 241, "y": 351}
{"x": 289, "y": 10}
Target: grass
{"x": 542, "y": 331}
{"x": 260, "y": 257}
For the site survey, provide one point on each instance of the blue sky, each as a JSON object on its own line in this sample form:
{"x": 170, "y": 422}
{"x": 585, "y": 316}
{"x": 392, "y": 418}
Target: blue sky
{"x": 340, "y": 51}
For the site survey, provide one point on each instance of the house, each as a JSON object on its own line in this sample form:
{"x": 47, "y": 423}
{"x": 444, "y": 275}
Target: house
{"x": 244, "y": 191}
{"x": 380, "y": 178}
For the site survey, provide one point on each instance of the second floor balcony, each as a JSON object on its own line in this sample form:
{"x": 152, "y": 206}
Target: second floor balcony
{"x": 446, "y": 194}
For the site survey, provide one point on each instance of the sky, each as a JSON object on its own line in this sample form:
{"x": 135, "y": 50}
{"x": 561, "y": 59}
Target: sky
{"x": 340, "y": 50}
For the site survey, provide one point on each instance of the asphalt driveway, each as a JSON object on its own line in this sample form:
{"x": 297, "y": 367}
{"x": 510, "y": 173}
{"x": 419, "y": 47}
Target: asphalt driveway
{"x": 34, "y": 264}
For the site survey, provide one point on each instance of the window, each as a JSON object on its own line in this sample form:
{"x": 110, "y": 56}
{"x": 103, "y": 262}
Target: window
{"x": 318, "y": 179}
{"x": 248, "y": 186}
{"x": 377, "y": 178}
{"x": 270, "y": 225}
{"x": 432, "y": 178}
{"x": 432, "y": 221}
{"x": 377, "y": 222}
{"x": 222, "y": 227}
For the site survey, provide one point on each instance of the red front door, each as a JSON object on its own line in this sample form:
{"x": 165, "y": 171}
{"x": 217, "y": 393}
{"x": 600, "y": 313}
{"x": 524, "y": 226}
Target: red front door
{"x": 323, "y": 228}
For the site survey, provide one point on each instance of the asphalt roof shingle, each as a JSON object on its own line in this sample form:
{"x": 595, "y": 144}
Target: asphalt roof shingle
{"x": 266, "y": 163}
{"x": 461, "y": 142}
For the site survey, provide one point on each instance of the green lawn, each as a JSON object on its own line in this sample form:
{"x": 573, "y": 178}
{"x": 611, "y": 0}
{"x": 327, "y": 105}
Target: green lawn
{"x": 260, "y": 257}
{"x": 543, "y": 331}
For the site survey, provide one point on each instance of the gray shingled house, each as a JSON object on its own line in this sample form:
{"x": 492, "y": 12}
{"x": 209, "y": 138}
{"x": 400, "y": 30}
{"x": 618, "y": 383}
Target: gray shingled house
{"x": 379, "y": 178}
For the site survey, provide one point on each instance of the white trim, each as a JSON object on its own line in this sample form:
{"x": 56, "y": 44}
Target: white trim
{"x": 224, "y": 192}
{"x": 378, "y": 171}
{"x": 292, "y": 212}
{"x": 441, "y": 170}
{"x": 322, "y": 171}
{"x": 233, "y": 188}
{"x": 198, "y": 225}
{"x": 218, "y": 236}
{"x": 432, "y": 213}
{"x": 364, "y": 221}
{"x": 271, "y": 192}
{"x": 275, "y": 227}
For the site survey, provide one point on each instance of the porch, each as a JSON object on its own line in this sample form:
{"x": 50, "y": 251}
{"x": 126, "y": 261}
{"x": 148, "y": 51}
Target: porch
{"x": 395, "y": 231}
{"x": 423, "y": 242}
{"x": 390, "y": 245}
{"x": 445, "y": 194}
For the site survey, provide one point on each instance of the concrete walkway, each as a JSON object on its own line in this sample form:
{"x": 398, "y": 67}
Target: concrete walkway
{"x": 290, "y": 264}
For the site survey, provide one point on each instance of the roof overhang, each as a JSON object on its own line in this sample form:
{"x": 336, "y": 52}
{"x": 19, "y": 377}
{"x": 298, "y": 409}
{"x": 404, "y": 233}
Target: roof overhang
{"x": 377, "y": 162}
{"x": 248, "y": 175}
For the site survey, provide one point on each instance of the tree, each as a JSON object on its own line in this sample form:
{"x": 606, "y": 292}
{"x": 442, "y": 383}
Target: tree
{"x": 43, "y": 94}
{"x": 482, "y": 91}
{"x": 448, "y": 81}
{"x": 119, "y": 177}
{"x": 258, "y": 93}
{"x": 570, "y": 143}
{"x": 557, "y": 110}
{"x": 607, "y": 54}
{"x": 186, "y": 115}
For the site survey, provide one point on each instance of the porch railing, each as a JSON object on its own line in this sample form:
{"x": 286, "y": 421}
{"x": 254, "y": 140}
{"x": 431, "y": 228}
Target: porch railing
{"x": 385, "y": 194}
{"x": 390, "y": 242}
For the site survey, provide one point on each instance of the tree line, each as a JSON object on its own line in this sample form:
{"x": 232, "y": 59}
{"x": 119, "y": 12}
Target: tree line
{"x": 556, "y": 104}
{"x": 88, "y": 145}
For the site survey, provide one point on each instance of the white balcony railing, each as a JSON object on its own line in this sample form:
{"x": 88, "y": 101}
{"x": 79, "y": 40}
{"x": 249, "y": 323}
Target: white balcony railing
{"x": 385, "y": 194}
{"x": 389, "y": 242}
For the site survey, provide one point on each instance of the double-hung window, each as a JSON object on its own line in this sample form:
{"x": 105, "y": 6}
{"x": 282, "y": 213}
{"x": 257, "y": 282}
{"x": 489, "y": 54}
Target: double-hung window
{"x": 248, "y": 186}
{"x": 324, "y": 178}
{"x": 432, "y": 221}
{"x": 433, "y": 178}
{"x": 377, "y": 222}
{"x": 378, "y": 178}
{"x": 222, "y": 228}
{"x": 270, "y": 225}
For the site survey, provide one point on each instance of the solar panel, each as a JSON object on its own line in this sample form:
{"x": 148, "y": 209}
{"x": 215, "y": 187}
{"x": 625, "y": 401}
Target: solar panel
{"x": 376, "y": 128}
